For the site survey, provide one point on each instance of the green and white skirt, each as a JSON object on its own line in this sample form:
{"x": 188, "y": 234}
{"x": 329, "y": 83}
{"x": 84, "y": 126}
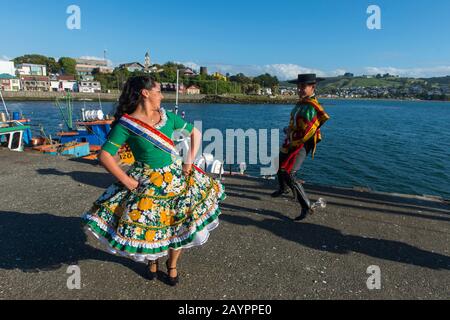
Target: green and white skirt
{"x": 168, "y": 211}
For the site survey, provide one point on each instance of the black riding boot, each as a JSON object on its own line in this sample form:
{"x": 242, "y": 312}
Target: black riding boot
{"x": 282, "y": 185}
{"x": 300, "y": 195}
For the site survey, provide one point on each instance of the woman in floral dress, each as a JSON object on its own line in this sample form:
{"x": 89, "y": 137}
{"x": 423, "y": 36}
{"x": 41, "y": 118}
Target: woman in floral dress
{"x": 162, "y": 204}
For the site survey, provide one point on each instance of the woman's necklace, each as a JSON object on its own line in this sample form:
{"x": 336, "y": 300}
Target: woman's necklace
{"x": 157, "y": 119}
{"x": 151, "y": 121}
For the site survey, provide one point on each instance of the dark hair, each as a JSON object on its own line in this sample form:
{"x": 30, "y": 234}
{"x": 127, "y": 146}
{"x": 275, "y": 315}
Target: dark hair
{"x": 131, "y": 95}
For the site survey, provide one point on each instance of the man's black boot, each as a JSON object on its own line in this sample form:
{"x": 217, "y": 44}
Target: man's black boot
{"x": 282, "y": 186}
{"x": 301, "y": 197}
{"x": 303, "y": 214}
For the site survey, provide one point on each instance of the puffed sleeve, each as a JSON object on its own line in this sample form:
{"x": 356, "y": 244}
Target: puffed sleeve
{"x": 116, "y": 138}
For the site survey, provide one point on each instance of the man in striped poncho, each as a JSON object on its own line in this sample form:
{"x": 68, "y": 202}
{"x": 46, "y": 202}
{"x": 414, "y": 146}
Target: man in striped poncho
{"x": 302, "y": 137}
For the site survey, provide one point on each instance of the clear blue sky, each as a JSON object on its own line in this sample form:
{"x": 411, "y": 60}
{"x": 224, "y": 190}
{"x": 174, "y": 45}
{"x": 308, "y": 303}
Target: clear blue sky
{"x": 281, "y": 37}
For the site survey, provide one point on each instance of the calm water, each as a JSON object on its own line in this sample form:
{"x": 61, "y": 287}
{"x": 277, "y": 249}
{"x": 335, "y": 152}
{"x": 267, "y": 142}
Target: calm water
{"x": 387, "y": 146}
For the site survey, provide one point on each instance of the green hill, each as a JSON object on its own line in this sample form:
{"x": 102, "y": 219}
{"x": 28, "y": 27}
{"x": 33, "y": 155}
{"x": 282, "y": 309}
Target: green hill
{"x": 386, "y": 86}
{"x": 388, "y": 82}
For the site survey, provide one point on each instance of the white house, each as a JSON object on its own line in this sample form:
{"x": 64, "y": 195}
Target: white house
{"x": 265, "y": 91}
{"x": 7, "y": 67}
{"x": 89, "y": 86}
{"x": 28, "y": 69}
{"x": 35, "y": 83}
{"x": 132, "y": 67}
{"x": 193, "y": 89}
{"x": 64, "y": 84}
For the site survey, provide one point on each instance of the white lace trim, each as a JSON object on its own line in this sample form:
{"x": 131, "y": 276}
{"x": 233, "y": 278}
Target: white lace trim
{"x": 200, "y": 238}
{"x": 163, "y": 121}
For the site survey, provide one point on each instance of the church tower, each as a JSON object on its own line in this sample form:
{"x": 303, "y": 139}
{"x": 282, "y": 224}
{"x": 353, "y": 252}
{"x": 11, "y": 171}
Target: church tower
{"x": 147, "y": 63}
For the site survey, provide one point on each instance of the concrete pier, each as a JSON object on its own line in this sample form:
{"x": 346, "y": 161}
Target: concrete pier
{"x": 257, "y": 252}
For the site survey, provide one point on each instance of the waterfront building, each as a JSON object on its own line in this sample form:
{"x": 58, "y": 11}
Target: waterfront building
{"x": 9, "y": 82}
{"x": 288, "y": 92}
{"x": 64, "y": 84}
{"x": 91, "y": 66}
{"x": 265, "y": 92}
{"x": 193, "y": 90}
{"x": 172, "y": 87}
{"x": 7, "y": 67}
{"x": 35, "y": 83}
{"x": 29, "y": 69}
{"x": 168, "y": 86}
{"x": 89, "y": 87}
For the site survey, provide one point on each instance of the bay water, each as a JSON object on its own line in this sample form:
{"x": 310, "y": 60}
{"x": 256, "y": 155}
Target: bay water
{"x": 388, "y": 146}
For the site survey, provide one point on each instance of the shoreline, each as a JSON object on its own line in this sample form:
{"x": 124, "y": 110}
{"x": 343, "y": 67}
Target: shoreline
{"x": 171, "y": 97}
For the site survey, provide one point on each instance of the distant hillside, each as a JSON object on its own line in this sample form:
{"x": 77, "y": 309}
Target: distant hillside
{"x": 386, "y": 86}
{"x": 388, "y": 82}
{"x": 440, "y": 80}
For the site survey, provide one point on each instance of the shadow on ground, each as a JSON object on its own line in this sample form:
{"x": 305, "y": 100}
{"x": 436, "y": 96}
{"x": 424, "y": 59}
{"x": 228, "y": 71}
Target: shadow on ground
{"x": 44, "y": 242}
{"x": 327, "y": 239}
{"x": 95, "y": 179}
{"x": 389, "y": 204}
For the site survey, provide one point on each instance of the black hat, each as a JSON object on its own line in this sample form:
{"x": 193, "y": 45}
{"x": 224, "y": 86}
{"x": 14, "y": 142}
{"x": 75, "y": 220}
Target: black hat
{"x": 308, "y": 78}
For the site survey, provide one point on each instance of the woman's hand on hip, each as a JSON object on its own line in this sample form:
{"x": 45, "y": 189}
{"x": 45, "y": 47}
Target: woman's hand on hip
{"x": 131, "y": 184}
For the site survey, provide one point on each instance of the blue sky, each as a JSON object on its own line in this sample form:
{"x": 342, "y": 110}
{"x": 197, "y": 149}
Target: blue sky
{"x": 282, "y": 37}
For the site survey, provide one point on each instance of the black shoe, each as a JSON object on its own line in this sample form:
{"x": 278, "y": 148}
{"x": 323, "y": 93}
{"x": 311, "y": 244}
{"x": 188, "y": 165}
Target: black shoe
{"x": 152, "y": 275}
{"x": 303, "y": 215}
{"x": 279, "y": 193}
{"x": 282, "y": 190}
{"x": 173, "y": 281}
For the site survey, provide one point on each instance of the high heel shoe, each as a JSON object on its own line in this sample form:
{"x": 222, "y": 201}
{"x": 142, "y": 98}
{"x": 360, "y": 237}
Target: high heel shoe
{"x": 173, "y": 281}
{"x": 150, "y": 274}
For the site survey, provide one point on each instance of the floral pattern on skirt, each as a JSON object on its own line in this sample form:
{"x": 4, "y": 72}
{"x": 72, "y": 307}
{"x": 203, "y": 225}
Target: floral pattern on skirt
{"x": 168, "y": 210}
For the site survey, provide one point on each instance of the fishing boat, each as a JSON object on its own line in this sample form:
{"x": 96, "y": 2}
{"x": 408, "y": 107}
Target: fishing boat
{"x": 90, "y": 130}
{"x": 15, "y": 132}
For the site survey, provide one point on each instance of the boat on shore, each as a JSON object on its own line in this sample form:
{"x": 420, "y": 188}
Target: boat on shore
{"x": 84, "y": 137}
{"x": 15, "y": 131}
